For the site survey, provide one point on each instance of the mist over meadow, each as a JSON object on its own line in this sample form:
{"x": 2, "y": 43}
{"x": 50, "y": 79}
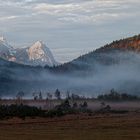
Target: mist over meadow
{"x": 95, "y": 75}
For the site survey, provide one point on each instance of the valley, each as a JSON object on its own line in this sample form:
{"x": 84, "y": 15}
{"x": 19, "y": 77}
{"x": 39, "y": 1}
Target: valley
{"x": 115, "y": 65}
{"x": 69, "y": 70}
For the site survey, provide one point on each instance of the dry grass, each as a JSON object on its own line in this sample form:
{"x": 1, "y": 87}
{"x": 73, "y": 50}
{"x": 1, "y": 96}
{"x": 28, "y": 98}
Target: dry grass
{"x": 98, "y": 127}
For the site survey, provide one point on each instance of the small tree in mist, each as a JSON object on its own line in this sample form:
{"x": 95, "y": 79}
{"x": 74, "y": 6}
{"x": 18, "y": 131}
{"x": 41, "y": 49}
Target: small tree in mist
{"x": 20, "y": 95}
{"x": 103, "y": 104}
{"x": 49, "y": 96}
{"x": 57, "y": 94}
{"x": 68, "y": 95}
{"x": 75, "y": 96}
{"x": 84, "y": 105}
{"x": 49, "y": 103}
{"x": 40, "y": 96}
{"x": 35, "y": 96}
{"x": 75, "y": 105}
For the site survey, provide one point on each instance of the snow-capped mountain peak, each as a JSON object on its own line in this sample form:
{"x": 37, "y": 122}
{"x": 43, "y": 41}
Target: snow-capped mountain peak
{"x": 36, "y": 50}
{"x": 4, "y": 43}
{"x": 37, "y": 54}
{"x": 39, "y": 43}
{"x": 2, "y": 39}
{"x": 5, "y": 48}
{"x": 40, "y": 53}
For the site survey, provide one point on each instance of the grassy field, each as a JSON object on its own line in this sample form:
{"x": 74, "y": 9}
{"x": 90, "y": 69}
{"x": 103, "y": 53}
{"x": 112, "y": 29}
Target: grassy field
{"x": 97, "y": 127}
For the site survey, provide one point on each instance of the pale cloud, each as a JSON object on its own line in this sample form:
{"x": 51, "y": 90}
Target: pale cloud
{"x": 8, "y": 18}
{"x": 80, "y": 11}
{"x": 87, "y": 11}
{"x": 70, "y": 27}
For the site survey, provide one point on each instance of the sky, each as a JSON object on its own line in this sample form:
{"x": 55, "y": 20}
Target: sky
{"x": 70, "y": 28}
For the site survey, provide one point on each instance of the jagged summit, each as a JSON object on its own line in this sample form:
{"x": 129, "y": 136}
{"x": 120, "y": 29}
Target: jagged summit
{"x": 41, "y": 53}
{"x": 39, "y": 43}
{"x": 37, "y": 54}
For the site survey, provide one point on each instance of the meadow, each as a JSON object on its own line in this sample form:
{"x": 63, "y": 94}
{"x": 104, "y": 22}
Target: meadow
{"x": 119, "y": 122}
{"x": 73, "y": 127}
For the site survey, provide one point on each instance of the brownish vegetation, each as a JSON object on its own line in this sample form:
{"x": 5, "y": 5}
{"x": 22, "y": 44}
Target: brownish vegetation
{"x": 73, "y": 127}
{"x": 128, "y": 44}
{"x": 108, "y": 121}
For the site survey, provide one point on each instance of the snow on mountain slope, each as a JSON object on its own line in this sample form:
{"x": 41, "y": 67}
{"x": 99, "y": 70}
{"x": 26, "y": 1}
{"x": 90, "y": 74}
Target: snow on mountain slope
{"x": 37, "y": 54}
{"x": 40, "y": 54}
{"x": 5, "y": 48}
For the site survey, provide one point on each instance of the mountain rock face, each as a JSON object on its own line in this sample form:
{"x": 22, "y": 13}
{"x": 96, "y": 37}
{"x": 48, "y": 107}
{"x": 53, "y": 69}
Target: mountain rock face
{"x": 36, "y": 55}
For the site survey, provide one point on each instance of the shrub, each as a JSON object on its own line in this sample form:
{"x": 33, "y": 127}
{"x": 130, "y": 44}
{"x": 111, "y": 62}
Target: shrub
{"x": 21, "y": 111}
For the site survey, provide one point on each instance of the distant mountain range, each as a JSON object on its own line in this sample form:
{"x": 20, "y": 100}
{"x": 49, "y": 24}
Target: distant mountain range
{"x": 36, "y": 55}
{"x": 114, "y": 65}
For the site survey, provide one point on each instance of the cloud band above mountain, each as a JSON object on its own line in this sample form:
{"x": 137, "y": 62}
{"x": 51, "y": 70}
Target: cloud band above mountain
{"x": 79, "y": 26}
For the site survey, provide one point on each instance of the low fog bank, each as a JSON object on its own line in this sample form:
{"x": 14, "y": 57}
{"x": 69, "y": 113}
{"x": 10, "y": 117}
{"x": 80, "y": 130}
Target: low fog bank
{"x": 119, "y": 70}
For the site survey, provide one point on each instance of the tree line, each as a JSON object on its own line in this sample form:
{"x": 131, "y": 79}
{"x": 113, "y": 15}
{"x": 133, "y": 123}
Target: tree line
{"x": 116, "y": 96}
{"x": 112, "y": 95}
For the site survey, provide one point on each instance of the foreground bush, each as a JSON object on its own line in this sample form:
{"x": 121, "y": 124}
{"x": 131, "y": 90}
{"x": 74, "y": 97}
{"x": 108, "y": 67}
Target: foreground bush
{"x": 22, "y": 111}
{"x": 65, "y": 108}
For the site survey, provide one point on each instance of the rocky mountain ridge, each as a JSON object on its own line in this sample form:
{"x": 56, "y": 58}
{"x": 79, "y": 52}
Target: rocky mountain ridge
{"x": 36, "y": 55}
